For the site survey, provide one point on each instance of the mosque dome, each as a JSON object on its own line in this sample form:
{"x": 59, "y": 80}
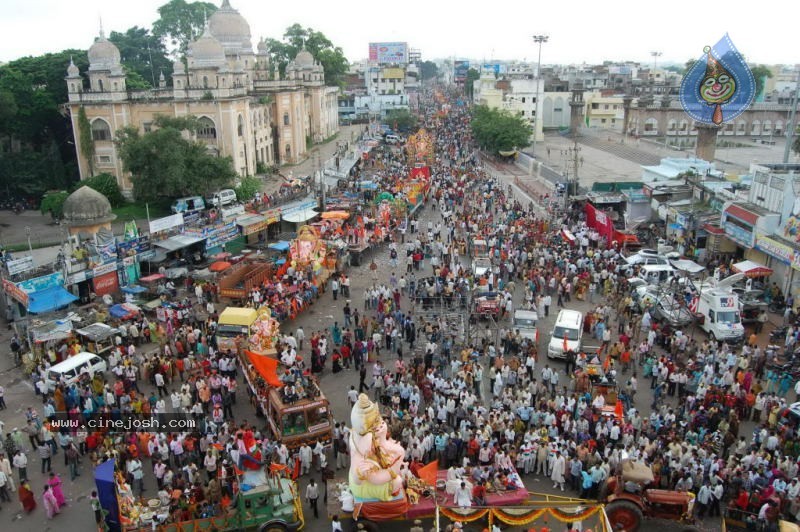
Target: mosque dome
{"x": 304, "y": 58}
{"x": 206, "y": 51}
{"x": 103, "y": 55}
{"x": 231, "y": 29}
{"x": 262, "y": 47}
{"x": 72, "y": 70}
{"x": 86, "y": 206}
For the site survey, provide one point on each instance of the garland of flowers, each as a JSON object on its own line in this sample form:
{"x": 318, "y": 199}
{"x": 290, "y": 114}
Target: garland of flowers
{"x": 517, "y": 518}
{"x": 455, "y": 514}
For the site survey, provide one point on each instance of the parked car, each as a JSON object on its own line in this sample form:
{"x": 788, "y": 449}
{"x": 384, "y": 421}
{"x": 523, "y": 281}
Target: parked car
{"x": 226, "y": 196}
{"x": 188, "y": 204}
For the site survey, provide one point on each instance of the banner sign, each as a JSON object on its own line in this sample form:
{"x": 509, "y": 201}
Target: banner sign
{"x": 15, "y": 291}
{"x": 272, "y": 215}
{"x": 601, "y": 223}
{"x": 42, "y": 283}
{"x": 388, "y": 52}
{"x": 19, "y": 265}
{"x": 106, "y": 283}
{"x": 168, "y": 222}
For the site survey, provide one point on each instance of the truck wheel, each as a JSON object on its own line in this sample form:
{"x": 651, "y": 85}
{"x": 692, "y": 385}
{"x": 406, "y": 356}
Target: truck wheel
{"x": 624, "y": 515}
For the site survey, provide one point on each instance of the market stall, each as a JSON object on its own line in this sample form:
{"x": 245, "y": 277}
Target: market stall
{"x": 100, "y": 337}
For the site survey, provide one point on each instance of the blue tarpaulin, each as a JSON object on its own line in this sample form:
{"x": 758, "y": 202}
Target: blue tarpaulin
{"x": 123, "y": 311}
{"x": 107, "y": 493}
{"x": 134, "y": 289}
{"x": 49, "y": 299}
{"x": 283, "y": 245}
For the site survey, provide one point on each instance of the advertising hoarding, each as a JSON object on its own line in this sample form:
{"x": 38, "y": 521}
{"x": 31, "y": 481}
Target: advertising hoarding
{"x": 460, "y": 69}
{"x": 388, "y": 52}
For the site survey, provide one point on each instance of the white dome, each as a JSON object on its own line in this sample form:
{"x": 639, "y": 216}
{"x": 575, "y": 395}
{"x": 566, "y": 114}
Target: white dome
{"x": 206, "y": 52}
{"x": 304, "y": 58}
{"x": 231, "y": 29}
{"x": 72, "y": 70}
{"x": 103, "y": 55}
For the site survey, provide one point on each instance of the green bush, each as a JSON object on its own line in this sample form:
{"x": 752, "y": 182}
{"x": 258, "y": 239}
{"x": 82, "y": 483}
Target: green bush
{"x": 105, "y": 184}
{"x": 53, "y": 203}
{"x": 247, "y": 188}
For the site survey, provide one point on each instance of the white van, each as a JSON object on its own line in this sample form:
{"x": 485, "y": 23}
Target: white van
{"x": 74, "y": 367}
{"x": 569, "y": 324}
{"x": 656, "y": 273}
{"x": 392, "y": 139}
{"x": 525, "y": 323}
{"x": 226, "y": 196}
{"x": 718, "y": 305}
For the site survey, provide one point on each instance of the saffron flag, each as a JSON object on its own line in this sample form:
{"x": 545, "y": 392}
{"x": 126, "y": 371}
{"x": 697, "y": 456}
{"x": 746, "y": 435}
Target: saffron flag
{"x": 618, "y": 410}
{"x": 429, "y": 472}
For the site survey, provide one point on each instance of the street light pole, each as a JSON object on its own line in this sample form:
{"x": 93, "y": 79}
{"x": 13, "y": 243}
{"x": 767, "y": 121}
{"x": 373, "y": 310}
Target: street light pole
{"x": 538, "y": 39}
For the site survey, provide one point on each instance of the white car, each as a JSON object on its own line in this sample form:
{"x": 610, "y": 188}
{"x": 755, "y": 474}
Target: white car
{"x": 481, "y": 266}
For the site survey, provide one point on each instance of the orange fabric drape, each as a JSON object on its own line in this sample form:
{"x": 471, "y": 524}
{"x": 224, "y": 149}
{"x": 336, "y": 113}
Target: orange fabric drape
{"x": 266, "y": 366}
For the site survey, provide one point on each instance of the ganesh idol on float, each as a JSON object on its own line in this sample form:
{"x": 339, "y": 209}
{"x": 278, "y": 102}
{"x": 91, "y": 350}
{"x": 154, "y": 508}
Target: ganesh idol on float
{"x": 376, "y": 463}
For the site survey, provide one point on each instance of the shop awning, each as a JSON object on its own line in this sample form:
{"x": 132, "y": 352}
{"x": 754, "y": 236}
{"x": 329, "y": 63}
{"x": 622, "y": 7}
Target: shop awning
{"x": 49, "y": 299}
{"x": 743, "y": 214}
{"x": 752, "y": 269}
{"x": 300, "y": 216}
{"x": 686, "y": 265}
{"x": 52, "y": 331}
{"x": 177, "y": 242}
{"x": 252, "y": 223}
{"x": 133, "y": 289}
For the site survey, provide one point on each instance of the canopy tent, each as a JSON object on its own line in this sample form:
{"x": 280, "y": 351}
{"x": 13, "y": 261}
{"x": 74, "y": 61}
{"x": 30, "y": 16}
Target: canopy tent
{"x": 49, "y": 299}
{"x": 176, "y": 242}
{"x": 752, "y": 269}
{"x": 97, "y": 332}
{"x": 283, "y": 245}
{"x": 300, "y": 216}
{"x": 266, "y": 366}
{"x": 52, "y": 331}
{"x": 133, "y": 289}
{"x": 124, "y": 311}
{"x": 335, "y": 215}
{"x": 686, "y": 265}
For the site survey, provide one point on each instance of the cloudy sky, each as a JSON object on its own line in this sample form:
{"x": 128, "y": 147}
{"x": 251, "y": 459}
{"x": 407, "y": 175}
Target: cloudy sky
{"x": 580, "y": 30}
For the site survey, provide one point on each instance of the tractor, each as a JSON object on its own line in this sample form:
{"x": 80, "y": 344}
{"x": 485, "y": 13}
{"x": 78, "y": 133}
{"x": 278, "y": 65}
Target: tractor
{"x": 628, "y": 499}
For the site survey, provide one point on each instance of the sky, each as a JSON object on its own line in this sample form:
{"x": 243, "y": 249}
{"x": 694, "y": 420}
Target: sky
{"x": 580, "y": 31}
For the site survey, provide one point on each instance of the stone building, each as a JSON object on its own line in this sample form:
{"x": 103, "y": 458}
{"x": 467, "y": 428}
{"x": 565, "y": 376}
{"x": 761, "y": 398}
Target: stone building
{"x": 246, "y": 109}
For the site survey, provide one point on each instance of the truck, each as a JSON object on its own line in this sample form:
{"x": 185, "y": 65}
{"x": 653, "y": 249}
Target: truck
{"x": 719, "y": 310}
{"x": 233, "y": 328}
{"x": 272, "y": 506}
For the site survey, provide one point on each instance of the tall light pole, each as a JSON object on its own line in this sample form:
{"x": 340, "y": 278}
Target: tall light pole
{"x": 655, "y": 55}
{"x": 538, "y": 39}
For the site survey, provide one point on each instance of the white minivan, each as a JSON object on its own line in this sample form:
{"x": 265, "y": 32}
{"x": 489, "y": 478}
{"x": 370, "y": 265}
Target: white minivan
{"x": 226, "y": 196}
{"x": 73, "y": 368}
{"x": 525, "y": 323}
{"x": 569, "y": 325}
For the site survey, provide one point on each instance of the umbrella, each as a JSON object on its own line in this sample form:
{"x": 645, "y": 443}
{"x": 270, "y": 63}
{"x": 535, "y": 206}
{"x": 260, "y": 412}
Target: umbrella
{"x": 219, "y": 266}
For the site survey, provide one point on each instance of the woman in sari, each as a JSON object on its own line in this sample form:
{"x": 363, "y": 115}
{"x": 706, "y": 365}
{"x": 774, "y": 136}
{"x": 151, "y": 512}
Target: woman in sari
{"x": 55, "y": 485}
{"x": 50, "y": 502}
{"x": 26, "y": 497}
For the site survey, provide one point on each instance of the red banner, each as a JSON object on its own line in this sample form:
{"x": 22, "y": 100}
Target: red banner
{"x": 600, "y": 222}
{"x": 15, "y": 291}
{"x": 106, "y": 283}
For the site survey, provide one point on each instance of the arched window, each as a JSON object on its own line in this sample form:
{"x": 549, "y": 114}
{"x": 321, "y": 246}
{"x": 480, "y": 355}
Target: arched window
{"x": 240, "y": 126}
{"x": 206, "y": 130}
{"x": 205, "y": 82}
{"x": 288, "y": 151}
{"x": 741, "y": 127}
{"x": 100, "y": 130}
{"x": 684, "y": 126}
{"x": 115, "y": 85}
{"x": 755, "y": 127}
{"x": 285, "y": 119}
{"x": 651, "y": 125}
{"x": 671, "y": 126}
{"x": 72, "y": 87}
{"x": 100, "y": 85}
{"x": 778, "y": 128}
{"x": 767, "y": 127}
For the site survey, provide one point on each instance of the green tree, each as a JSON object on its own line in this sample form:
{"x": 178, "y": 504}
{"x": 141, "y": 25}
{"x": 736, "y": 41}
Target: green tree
{"x": 143, "y": 56}
{"x": 428, "y": 70}
{"x": 247, "y": 188}
{"x": 105, "y": 184}
{"x": 472, "y": 75}
{"x": 497, "y": 131}
{"x": 85, "y": 135}
{"x": 165, "y": 163}
{"x": 761, "y": 74}
{"x": 331, "y": 57}
{"x": 401, "y": 119}
{"x": 181, "y": 22}
{"x": 53, "y": 203}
